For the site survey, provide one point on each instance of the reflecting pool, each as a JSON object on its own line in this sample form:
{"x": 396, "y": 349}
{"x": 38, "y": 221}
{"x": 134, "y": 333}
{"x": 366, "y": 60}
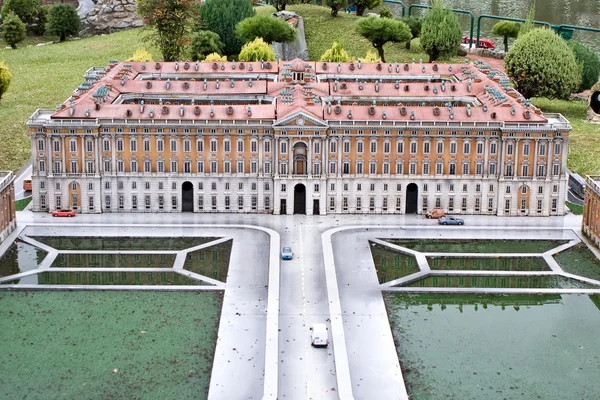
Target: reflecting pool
{"x": 497, "y": 347}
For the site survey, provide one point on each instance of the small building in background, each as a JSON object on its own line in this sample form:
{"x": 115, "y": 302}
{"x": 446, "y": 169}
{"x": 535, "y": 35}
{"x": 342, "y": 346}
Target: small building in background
{"x": 591, "y": 210}
{"x": 8, "y": 217}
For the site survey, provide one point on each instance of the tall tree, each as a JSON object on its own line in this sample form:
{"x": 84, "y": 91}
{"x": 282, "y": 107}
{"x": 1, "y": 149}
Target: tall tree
{"x": 507, "y": 29}
{"x": 440, "y": 32}
{"x": 62, "y": 21}
{"x": 14, "y": 30}
{"x": 380, "y": 31}
{"x": 221, "y": 17}
{"x": 168, "y": 24}
{"x": 270, "y": 29}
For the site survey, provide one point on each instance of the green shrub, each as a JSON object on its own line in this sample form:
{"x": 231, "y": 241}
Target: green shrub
{"x": 14, "y": 30}
{"x": 336, "y": 54}
{"x": 215, "y": 57}
{"x": 380, "y": 31}
{"x": 168, "y": 24}
{"x": 371, "y": 57}
{"x": 141, "y": 55}
{"x": 62, "y": 21}
{"x": 589, "y": 64}
{"x": 541, "y": 64}
{"x": 385, "y": 13}
{"x": 205, "y": 43}
{"x": 41, "y": 19}
{"x": 26, "y": 10}
{"x": 363, "y": 5}
{"x": 415, "y": 46}
{"x": 221, "y": 17}
{"x": 414, "y": 23}
{"x": 5, "y": 78}
{"x": 257, "y": 50}
{"x": 270, "y": 29}
{"x": 336, "y": 6}
{"x": 440, "y": 32}
{"x": 507, "y": 29}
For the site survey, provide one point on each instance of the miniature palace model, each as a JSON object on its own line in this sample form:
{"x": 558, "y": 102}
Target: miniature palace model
{"x": 298, "y": 137}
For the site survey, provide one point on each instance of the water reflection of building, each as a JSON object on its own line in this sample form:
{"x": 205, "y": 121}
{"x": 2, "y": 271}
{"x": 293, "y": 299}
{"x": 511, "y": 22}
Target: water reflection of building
{"x": 591, "y": 210}
{"x": 8, "y": 217}
{"x": 508, "y": 300}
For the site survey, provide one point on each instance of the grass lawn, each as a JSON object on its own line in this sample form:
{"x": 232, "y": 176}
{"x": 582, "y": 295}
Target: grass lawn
{"x": 575, "y": 208}
{"x": 584, "y": 140}
{"x": 44, "y": 77}
{"x": 107, "y": 345}
{"x": 322, "y": 30}
{"x": 478, "y": 246}
{"x": 579, "y": 260}
{"x": 21, "y": 204}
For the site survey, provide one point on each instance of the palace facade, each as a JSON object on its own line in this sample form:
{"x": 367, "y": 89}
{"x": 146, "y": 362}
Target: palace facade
{"x": 8, "y": 217}
{"x": 298, "y": 137}
{"x": 591, "y": 210}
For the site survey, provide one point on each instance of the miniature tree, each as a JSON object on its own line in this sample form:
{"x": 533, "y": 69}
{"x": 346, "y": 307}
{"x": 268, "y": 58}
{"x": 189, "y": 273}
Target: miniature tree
{"x": 589, "y": 64}
{"x": 5, "y": 78}
{"x": 380, "y": 31}
{"x": 385, "y": 13}
{"x": 414, "y": 23}
{"x": 336, "y": 54}
{"x": 221, "y": 17}
{"x": 141, "y": 55}
{"x": 440, "y": 32}
{"x": 507, "y": 29}
{"x": 270, "y": 29}
{"x": 257, "y": 50}
{"x": 62, "y": 21}
{"x": 14, "y": 30}
{"x": 336, "y": 6}
{"x": 215, "y": 57}
{"x": 168, "y": 24}
{"x": 542, "y": 65}
{"x": 363, "y": 5}
{"x": 26, "y": 10}
{"x": 205, "y": 43}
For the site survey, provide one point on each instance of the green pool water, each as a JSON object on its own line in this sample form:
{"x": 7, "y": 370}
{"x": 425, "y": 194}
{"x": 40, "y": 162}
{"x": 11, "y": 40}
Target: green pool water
{"x": 497, "y": 347}
{"x": 84, "y": 260}
{"x": 488, "y": 264}
{"x": 212, "y": 261}
{"x": 20, "y": 257}
{"x": 477, "y": 246}
{"x": 107, "y": 345}
{"x": 121, "y": 243}
{"x": 115, "y": 278}
{"x": 391, "y": 264}
{"x": 537, "y": 282}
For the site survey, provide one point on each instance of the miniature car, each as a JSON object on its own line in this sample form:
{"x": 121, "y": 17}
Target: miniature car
{"x": 436, "y": 213}
{"x": 63, "y": 213}
{"x": 286, "y": 253}
{"x": 318, "y": 335}
{"x": 451, "y": 221}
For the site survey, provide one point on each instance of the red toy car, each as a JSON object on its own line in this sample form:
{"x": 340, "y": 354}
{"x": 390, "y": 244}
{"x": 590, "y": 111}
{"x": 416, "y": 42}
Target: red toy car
{"x": 63, "y": 213}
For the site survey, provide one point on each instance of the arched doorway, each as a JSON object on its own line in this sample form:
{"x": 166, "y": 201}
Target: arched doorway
{"x": 300, "y": 152}
{"x": 299, "y": 199}
{"x": 412, "y": 195}
{"x": 187, "y": 197}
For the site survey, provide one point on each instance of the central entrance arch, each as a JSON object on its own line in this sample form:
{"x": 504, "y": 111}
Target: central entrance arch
{"x": 412, "y": 195}
{"x": 187, "y": 197}
{"x": 299, "y": 199}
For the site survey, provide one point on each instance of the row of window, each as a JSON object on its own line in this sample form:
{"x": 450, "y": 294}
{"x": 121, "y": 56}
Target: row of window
{"x": 452, "y": 168}
{"x": 213, "y": 146}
